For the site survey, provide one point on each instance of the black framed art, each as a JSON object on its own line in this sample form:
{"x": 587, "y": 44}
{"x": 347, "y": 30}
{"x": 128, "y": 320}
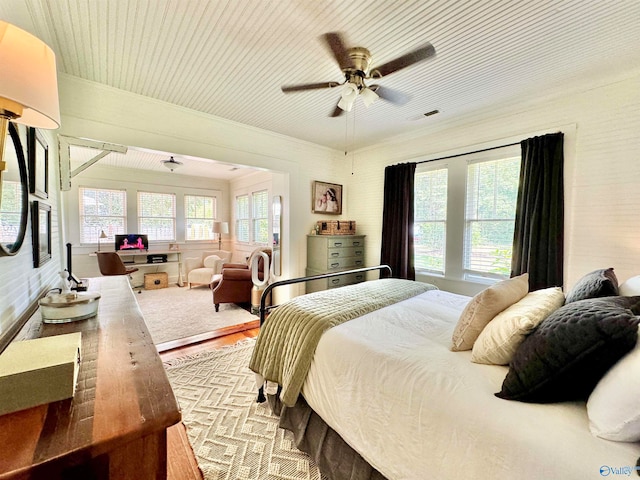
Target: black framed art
{"x": 41, "y": 233}
{"x": 38, "y": 164}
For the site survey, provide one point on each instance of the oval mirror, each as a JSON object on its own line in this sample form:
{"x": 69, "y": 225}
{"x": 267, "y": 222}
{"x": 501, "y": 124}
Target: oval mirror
{"x": 276, "y": 260}
{"x": 14, "y": 200}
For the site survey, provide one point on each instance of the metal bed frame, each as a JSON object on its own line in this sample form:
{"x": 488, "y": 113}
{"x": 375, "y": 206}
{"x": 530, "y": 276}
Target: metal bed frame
{"x": 263, "y": 299}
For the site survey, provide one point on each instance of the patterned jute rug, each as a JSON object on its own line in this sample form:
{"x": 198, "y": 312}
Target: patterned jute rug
{"x": 232, "y": 436}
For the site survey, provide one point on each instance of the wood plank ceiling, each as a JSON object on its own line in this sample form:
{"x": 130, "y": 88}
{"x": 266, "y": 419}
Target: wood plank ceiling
{"x": 228, "y": 58}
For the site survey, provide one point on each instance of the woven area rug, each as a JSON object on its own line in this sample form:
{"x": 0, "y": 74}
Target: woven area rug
{"x": 232, "y": 436}
{"x": 176, "y": 312}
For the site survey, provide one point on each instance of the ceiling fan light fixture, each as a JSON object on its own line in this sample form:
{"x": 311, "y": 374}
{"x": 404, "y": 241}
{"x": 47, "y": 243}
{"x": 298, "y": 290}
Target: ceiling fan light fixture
{"x": 171, "y": 164}
{"x": 368, "y": 96}
{"x": 348, "y": 96}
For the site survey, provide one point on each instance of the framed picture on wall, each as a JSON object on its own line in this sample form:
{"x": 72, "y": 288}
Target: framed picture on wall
{"x": 38, "y": 164}
{"x": 41, "y": 233}
{"x": 326, "y": 198}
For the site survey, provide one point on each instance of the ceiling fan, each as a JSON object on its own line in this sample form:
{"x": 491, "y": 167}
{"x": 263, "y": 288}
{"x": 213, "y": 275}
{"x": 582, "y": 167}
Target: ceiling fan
{"x": 355, "y": 63}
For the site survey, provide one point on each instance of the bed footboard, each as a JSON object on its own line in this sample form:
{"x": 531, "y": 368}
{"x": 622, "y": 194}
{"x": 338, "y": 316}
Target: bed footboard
{"x": 267, "y": 291}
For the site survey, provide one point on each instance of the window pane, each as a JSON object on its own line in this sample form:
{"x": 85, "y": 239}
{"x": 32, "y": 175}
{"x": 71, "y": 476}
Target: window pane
{"x": 200, "y": 212}
{"x": 157, "y": 215}
{"x": 492, "y": 190}
{"x": 260, "y": 217}
{"x": 242, "y": 218}
{"x": 430, "y": 219}
{"x": 101, "y": 210}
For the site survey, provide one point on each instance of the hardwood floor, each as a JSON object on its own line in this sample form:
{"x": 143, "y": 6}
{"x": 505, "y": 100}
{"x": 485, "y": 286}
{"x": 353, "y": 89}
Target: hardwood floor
{"x": 181, "y": 461}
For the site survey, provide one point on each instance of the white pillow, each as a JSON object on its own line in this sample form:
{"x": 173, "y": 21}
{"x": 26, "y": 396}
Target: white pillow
{"x": 500, "y": 339}
{"x": 484, "y": 306}
{"x": 211, "y": 261}
{"x": 613, "y": 407}
{"x": 630, "y": 287}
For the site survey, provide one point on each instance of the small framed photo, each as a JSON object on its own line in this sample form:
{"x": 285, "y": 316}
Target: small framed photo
{"x": 174, "y": 247}
{"x": 38, "y": 164}
{"x": 326, "y": 198}
{"x": 41, "y": 233}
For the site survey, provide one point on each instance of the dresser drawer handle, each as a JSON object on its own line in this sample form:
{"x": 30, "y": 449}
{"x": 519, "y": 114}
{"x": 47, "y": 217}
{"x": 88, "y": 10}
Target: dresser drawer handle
{"x": 359, "y": 277}
{"x": 337, "y": 244}
{"x": 333, "y": 265}
{"x": 359, "y": 262}
{"x": 335, "y": 281}
{"x": 335, "y": 254}
{"x": 356, "y": 243}
{"x": 358, "y": 252}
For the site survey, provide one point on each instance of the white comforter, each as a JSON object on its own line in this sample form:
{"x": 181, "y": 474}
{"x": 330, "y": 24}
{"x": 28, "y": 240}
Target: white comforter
{"x": 389, "y": 385}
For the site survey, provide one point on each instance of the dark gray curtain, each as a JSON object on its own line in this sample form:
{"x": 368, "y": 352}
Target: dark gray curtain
{"x": 538, "y": 241}
{"x": 397, "y": 220}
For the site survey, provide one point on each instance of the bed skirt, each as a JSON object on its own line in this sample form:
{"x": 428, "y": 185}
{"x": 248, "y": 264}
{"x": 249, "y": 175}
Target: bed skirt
{"x": 335, "y": 458}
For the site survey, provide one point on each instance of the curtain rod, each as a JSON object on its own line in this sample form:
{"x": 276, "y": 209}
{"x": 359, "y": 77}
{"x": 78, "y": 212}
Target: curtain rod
{"x": 470, "y": 153}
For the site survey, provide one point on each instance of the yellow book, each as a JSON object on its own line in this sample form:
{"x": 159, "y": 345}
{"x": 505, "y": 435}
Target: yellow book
{"x": 39, "y": 371}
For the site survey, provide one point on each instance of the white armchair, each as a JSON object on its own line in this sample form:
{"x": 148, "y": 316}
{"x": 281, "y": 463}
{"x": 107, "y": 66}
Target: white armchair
{"x": 200, "y": 271}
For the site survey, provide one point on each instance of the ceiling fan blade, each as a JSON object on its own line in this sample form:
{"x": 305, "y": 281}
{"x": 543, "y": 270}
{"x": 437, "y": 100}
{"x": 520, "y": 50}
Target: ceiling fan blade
{"x": 422, "y": 53}
{"x": 308, "y": 86}
{"x": 336, "y": 112}
{"x": 339, "y": 50}
{"x": 390, "y": 95}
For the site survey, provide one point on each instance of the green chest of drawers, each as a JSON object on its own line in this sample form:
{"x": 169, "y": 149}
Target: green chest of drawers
{"x": 334, "y": 253}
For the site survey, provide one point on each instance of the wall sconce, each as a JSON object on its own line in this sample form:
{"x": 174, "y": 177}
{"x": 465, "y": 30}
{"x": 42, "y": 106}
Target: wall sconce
{"x": 28, "y": 84}
{"x": 220, "y": 228}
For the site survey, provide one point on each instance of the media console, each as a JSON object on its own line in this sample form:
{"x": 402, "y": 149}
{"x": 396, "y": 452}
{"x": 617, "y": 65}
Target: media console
{"x": 138, "y": 258}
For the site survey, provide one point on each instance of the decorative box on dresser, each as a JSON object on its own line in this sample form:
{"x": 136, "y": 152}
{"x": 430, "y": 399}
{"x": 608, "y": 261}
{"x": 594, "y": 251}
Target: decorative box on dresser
{"x": 334, "y": 253}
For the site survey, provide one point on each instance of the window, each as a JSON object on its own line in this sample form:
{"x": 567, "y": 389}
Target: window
{"x": 200, "y": 212}
{"x": 430, "y": 222}
{"x": 465, "y": 215}
{"x": 101, "y": 210}
{"x": 492, "y": 191}
{"x": 157, "y": 215}
{"x": 260, "y": 216}
{"x": 242, "y": 218}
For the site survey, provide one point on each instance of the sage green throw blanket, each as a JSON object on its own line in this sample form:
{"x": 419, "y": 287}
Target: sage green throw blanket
{"x": 288, "y": 339}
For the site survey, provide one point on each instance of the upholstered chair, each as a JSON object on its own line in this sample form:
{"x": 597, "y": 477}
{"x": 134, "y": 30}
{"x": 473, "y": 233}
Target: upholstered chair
{"x": 233, "y": 284}
{"x": 200, "y": 271}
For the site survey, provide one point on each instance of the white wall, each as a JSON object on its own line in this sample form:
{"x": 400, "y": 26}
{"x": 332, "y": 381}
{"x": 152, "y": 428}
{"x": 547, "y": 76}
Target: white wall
{"x": 602, "y": 171}
{"x": 22, "y": 284}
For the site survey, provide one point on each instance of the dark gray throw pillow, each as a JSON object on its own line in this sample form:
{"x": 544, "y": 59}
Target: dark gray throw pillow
{"x": 566, "y": 355}
{"x": 599, "y": 283}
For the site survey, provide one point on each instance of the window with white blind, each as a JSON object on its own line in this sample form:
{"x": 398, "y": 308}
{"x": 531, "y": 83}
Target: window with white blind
{"x": 242, "y": 218}
{"x": 464, "y": 215}
{"x": 200, "y": 213}
{"x": 101, "y": 210}
{"x": 157, "y": 215}
{"x": 430, "y": 219}
{"x": 260, "y": 216}
{"x": 492, "y": 191}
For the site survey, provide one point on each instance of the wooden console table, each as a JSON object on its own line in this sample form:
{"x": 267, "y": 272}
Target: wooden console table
{"x": 138, "y": 258}
{"x": 115, "y": 425}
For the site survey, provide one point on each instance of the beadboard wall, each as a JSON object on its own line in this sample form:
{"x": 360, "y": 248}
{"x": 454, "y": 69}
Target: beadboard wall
{"x": 22, "y": 284}
{"x": 602, "y": 172}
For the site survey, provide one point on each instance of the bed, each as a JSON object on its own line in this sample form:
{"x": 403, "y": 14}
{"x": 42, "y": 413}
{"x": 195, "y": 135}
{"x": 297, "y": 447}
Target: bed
{"x": 384, "y": 396}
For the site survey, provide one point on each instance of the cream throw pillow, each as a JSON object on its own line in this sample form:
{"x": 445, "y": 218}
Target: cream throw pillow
{"x": 484, "y": 306}
{"x": 499, "y": 340}
{"x": 613, "y": 408}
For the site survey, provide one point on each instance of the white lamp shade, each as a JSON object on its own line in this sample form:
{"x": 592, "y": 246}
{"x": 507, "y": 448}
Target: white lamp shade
{"x": 28, "y": 78}
{"x": 220, "y": 227}
{"x": 368, "y": 96}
